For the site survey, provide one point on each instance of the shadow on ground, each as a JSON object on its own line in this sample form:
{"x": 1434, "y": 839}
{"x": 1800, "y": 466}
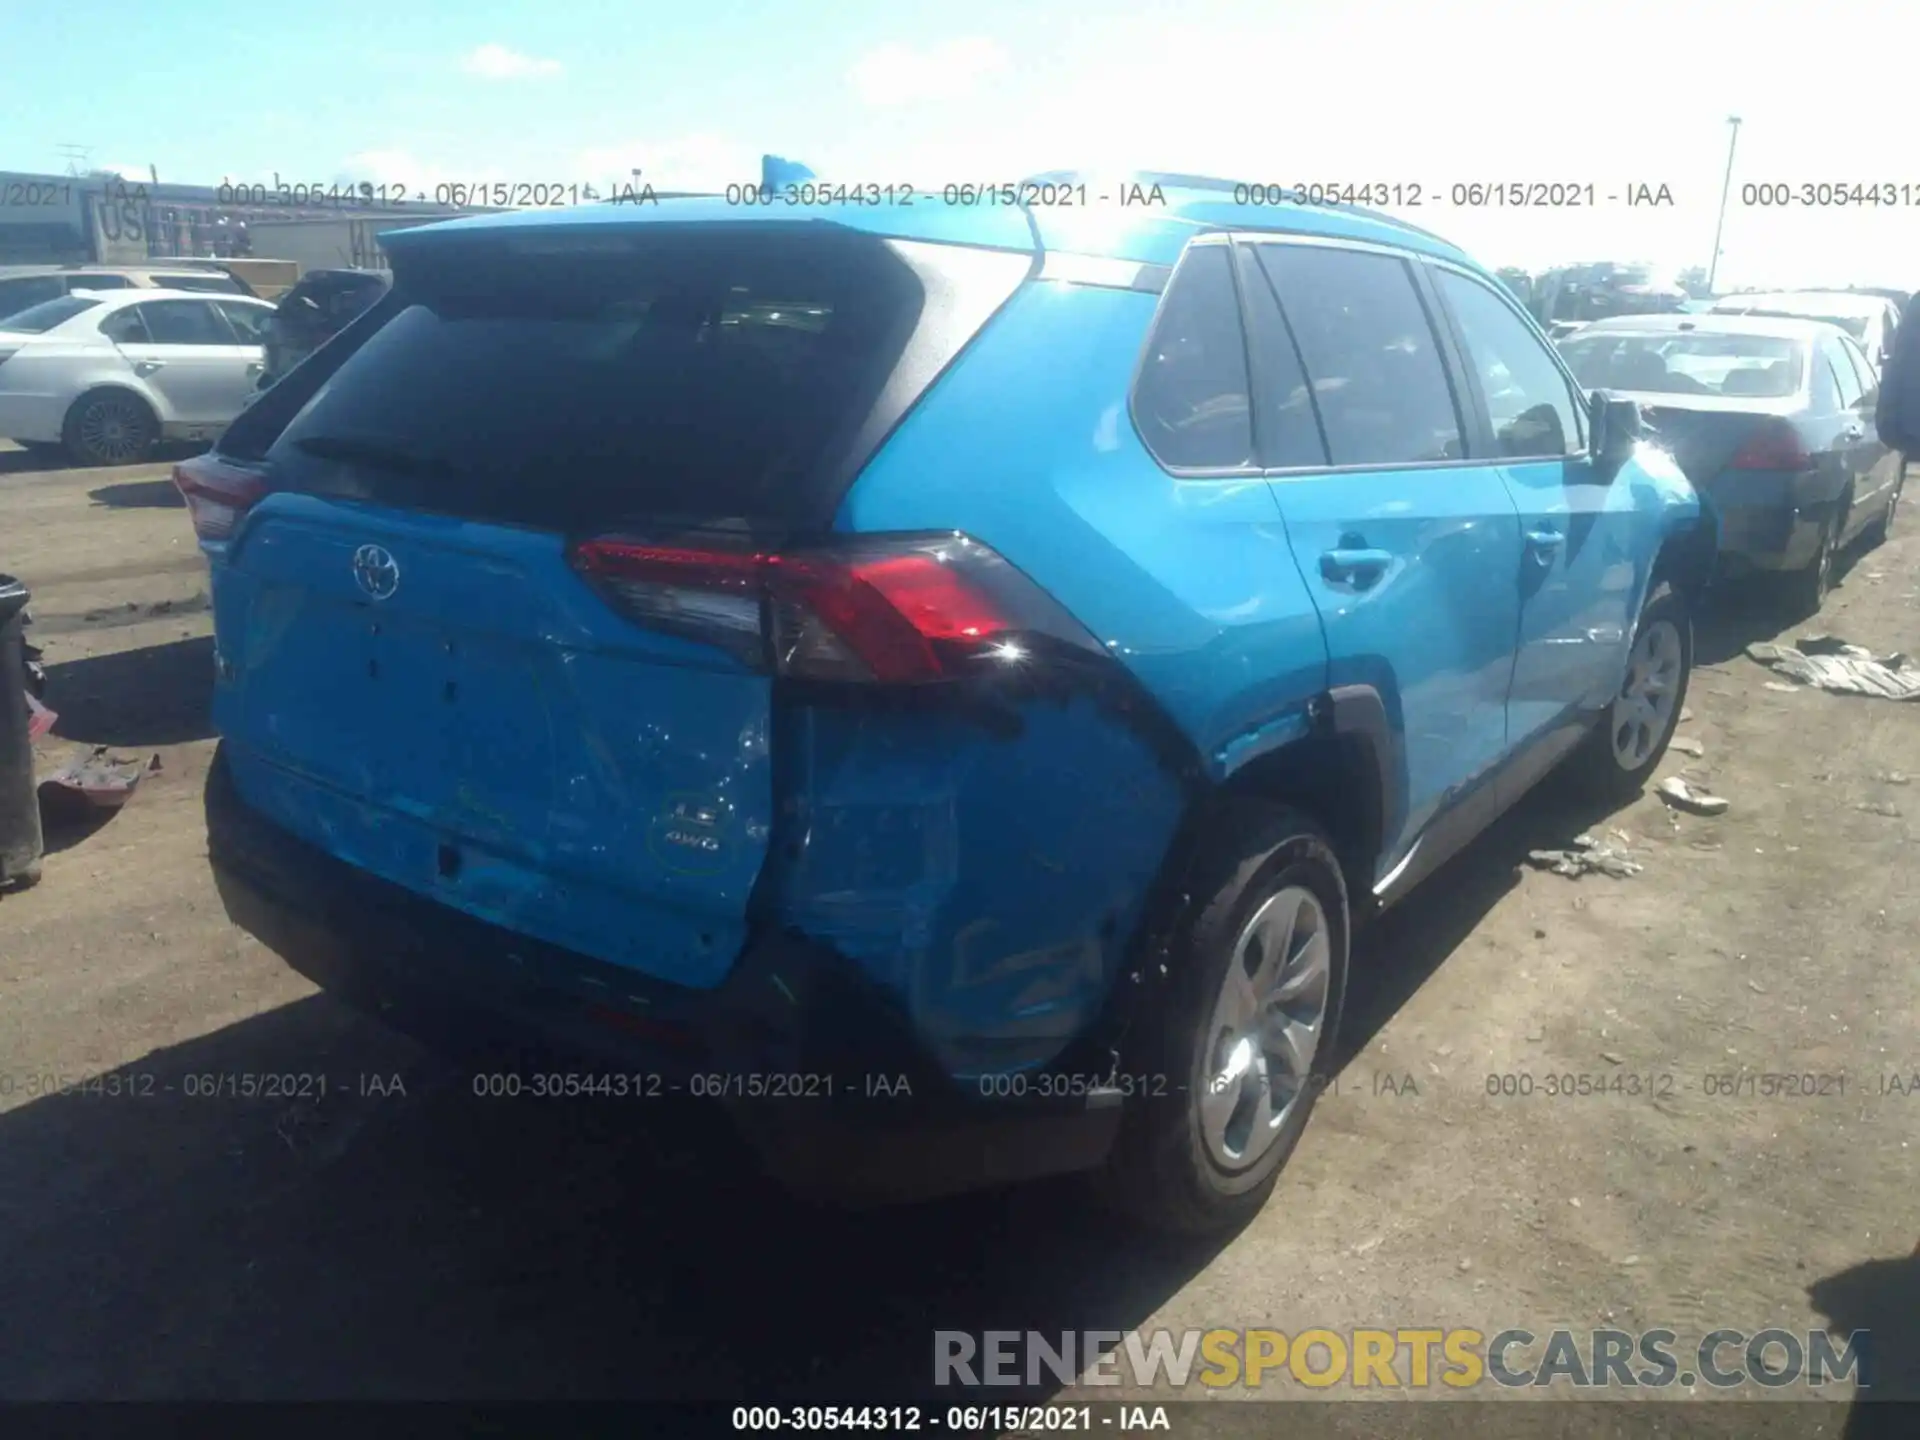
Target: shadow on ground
{"x": 51, "y": 459}
{"x": 156, "y": 695}
{"x": 440, "y": 1244}
{"x": 1881, "y": 1297}
{"x": 139, "y": 495}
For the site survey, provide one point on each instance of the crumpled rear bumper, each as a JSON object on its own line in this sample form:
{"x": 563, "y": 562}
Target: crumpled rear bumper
{"x": 817, "y": 1067}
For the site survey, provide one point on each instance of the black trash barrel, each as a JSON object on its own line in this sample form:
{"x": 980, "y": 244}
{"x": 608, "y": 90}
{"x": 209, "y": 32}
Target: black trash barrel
{"x": 21, "y": 844}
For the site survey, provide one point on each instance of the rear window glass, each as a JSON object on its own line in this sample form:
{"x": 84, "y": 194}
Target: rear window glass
{"x": 99, "y": 282}
{"x": 1760, "y": 366}
{"x": 18, "y": 294}
{"x": 704, "y": 378}
{"x": 38, "y": 319}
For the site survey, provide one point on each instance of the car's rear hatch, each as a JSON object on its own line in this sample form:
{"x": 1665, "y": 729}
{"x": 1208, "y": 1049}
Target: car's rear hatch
{"x": 416, "y": 675}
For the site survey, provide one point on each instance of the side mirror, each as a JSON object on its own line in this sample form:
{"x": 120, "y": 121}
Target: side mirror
{"x": 1616, "y": 427}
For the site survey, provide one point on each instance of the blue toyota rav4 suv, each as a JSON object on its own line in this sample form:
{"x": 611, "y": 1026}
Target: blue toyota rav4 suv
{"x": 943, "y": 681}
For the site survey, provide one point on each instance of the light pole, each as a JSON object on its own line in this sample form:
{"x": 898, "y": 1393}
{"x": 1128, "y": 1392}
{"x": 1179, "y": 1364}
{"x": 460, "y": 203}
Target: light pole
{"x": 1726, "y": 189}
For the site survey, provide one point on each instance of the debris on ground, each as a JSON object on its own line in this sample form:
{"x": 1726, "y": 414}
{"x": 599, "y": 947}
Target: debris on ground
{"x": 1586, "y": 856}
{"x": 97, "y": 781}
{"x": 1682, "y": 796}
{"x": 1780, "y": 689}
{"x": 1893, "y": 777}
{"x": 1687, "y": 745}
{"x": 1879, "y": 807}
{"x": 1829, "y": 663}
{"x": 39, "y": 718}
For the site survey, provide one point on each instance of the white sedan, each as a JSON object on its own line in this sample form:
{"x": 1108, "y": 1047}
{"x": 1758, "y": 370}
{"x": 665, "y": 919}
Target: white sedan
{"x": 105, "y": 375}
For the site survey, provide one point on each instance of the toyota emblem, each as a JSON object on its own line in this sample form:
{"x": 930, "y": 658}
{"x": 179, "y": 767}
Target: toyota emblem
{"x": 375, "y": 571}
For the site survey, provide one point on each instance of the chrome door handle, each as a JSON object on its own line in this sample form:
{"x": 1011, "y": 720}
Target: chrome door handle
{"x": 1545, "y": 542}
{"x": 1853, "y": 432}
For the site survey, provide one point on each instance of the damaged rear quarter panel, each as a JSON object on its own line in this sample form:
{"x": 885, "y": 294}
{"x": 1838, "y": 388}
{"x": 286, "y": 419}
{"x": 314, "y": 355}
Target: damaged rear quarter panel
{"x": 988, "y": 877}
{"x": 995, "y": 880}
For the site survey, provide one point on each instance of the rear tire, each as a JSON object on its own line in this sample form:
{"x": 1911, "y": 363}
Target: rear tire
{"x": 1244, "y": 1035}
{"x": 1626, "y": 747}
{"x": 1807, "y": 588}
{"x": 1881, "y": 528}
{"x": 110, "y": 427}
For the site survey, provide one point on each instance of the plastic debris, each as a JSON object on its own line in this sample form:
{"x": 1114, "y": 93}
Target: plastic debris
{"x": 1586, "y": 856}
{"x": 1682, "y": 796}
{"x": 1687, "y": 745}
{"x": 97, "y": 781}
{"x": 1829, "y": 663}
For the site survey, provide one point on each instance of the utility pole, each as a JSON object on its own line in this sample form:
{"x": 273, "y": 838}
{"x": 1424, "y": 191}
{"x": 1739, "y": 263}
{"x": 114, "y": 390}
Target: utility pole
{"x": 1726, "y": 189}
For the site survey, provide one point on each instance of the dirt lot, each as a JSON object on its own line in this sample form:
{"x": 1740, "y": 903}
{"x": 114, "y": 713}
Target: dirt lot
{"x": 435, "y": 1244}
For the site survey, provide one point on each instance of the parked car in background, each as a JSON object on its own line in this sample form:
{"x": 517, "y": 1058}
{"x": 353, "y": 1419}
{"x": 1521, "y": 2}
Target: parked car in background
{"x": 1773, "y": 420}
{"x": 24, "y": 285}
{"x": 1870, "y": 319}
{"x": 319, "y": 306}
{"x": 107, "y": 376}
{"x": 1599, "y": 290}
{"x": 790, "y": 660}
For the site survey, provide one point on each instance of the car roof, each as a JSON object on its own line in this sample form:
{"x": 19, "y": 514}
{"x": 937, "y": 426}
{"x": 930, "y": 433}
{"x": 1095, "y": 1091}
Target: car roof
{"x": 1147, "y": 233}
{"x": 1814, "y": 302}
{"x": 119, "y": 299}
{"x": 1779, "y": 328}
{"x": 19, "y": 272}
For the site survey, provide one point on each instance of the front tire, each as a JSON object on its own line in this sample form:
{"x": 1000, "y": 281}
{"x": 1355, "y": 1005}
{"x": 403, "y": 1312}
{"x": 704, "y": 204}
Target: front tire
{"x": 1245, "y": 1033}
{"x": 110, "y": 427}
{"x": 1627, "y": 746}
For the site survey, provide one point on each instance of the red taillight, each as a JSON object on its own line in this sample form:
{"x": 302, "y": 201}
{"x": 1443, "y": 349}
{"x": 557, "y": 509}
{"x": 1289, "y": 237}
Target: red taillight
{"x": 217, "y": 493}
{"x": 896, "y": 610}
{"x": 1776, "y": 445}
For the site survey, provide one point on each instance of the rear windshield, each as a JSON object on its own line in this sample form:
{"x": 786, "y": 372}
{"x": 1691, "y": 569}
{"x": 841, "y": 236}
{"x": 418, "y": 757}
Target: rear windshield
{"x": 38, "y": 319}
{"x": 1761, "y": 366}
{"x": 703, "y": 377}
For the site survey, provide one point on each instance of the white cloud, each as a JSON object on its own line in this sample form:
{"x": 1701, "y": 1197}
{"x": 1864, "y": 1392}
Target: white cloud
{"x": 896, "y": 74}
{"x": 497, "y": 62}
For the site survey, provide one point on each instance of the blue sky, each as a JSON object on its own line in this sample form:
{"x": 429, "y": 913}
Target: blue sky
{"x": 1344, "y": 91}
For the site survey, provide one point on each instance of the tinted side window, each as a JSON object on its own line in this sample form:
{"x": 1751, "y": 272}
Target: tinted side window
{"x": 1191, "y": 401}
{"x": 249, "y": 322}
{"x": 186, "y": 322}
{"x": 1843, "y": 373}
{"x": 1370, "y": 354}
{"x": 17, "y": 295}
{"x": 1532, "y": 407}
{"x": 1289, "y": 428}
{"x": 98, "y": 282}
{"x": 125, "y": 327}
{"x": 1862, "y": 367}
{"x": 1826, "y": 385}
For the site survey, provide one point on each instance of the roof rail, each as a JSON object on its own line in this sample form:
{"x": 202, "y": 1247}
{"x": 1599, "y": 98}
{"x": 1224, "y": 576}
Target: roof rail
{"x": 1171, "y": 179}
